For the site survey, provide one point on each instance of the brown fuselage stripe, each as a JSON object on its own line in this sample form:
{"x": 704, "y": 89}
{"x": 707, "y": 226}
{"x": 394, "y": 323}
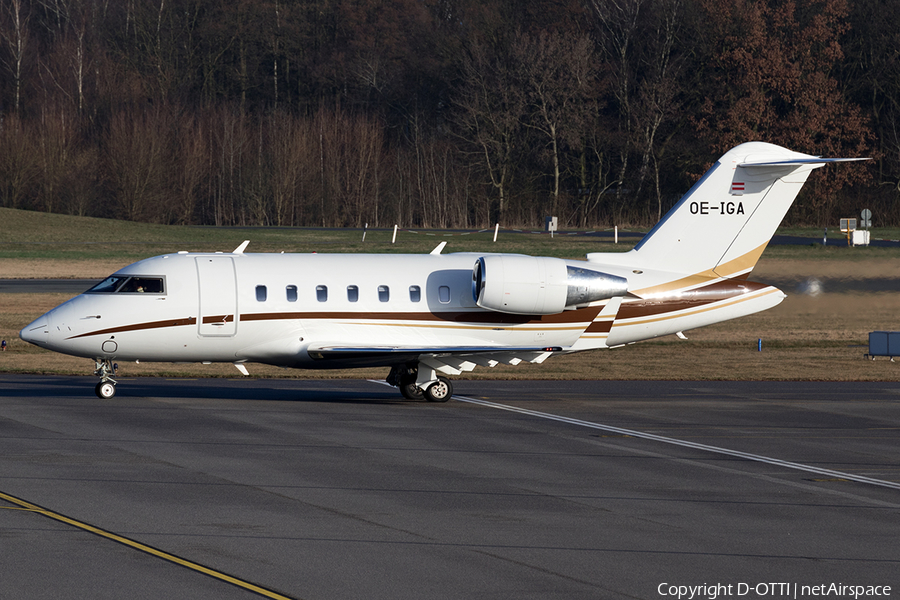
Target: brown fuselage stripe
{"x": 140, "y": 327}
{"x": 599, "y": 327}
{"x": 694, "y": 310}
{"x": 218, "y": 319}
{"x": 582, "y": 315}
{"x": 714, "y": 292}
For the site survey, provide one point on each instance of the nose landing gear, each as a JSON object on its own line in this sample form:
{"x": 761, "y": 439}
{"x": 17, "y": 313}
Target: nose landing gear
{"x": 105, "y": 369}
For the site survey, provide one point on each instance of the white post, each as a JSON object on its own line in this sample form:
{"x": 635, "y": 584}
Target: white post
{"x": 496, "y": 229}
{"x": 394, "y": 239}
{"x": 616, "y": 235}
{"x": 364, "y": 231}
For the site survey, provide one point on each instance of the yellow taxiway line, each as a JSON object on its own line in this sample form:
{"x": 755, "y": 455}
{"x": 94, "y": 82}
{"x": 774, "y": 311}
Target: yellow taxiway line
{"x": 28, "y": 506}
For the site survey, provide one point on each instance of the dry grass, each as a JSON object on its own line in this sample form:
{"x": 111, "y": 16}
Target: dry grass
{"x": 850, "y": 265}
{"x": 804, "y": 338}
{"x": 39, "y": 268}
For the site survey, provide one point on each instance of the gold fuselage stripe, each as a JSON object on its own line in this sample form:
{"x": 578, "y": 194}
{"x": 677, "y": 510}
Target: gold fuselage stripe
{"x": 685, "y": 312}
{"x": 726, "y": 270}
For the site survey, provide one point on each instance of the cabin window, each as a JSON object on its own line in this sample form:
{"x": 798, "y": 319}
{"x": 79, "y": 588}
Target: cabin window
{"x": 123, "y": 284}
{"x": 415, "y": 293}
{"x": 322, "y": 293}
{"x": 291, "y": 292}
{"x": 352, "y": 293}
{"x": 384, "y": 293}
{"x": 444, "y": 294}
{"x": 261, "y": 293}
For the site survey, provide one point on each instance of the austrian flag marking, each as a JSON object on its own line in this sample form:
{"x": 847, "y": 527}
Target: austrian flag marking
{"x": 737, "y": 188}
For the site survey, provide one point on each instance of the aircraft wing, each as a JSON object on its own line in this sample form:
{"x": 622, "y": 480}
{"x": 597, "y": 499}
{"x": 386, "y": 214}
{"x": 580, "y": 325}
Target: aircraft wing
{"x": 450, "y": 360}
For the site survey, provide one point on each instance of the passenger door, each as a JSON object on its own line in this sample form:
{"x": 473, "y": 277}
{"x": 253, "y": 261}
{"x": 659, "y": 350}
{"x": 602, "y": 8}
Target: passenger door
{"x": 218, "y": 296}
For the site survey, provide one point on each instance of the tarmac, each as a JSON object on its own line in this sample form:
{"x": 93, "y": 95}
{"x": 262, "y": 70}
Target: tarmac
{"x": 279, "y": 488}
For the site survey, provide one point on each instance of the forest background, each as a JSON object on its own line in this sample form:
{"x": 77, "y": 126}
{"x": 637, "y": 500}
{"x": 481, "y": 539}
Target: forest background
{"x": 436, "y": 113}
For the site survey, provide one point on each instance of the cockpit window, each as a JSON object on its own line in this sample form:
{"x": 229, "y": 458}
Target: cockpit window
{"x": 129, "y": 285}
{"x": 108, "y": 285}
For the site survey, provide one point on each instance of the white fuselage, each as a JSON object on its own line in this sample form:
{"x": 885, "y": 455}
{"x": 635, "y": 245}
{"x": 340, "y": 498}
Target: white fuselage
{"x": 282, "y": 309}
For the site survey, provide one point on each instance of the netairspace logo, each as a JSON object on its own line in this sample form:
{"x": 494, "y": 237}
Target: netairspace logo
{"x": 723, "y": 591}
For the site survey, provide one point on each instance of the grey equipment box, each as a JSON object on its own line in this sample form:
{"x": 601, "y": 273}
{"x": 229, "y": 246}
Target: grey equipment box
{"x": 884, "y": 343}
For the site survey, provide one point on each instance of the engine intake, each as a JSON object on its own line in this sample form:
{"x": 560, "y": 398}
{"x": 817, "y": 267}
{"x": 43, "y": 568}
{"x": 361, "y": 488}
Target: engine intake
{"x": 539, "y": 285}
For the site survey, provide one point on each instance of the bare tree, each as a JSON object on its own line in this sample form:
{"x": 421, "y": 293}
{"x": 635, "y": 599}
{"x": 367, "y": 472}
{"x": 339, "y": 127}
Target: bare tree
{"x": 430, "y": 167}
{"x": 80, "y": 61}
{"x": 618, "y": 23}
{"x": 351, "y": 153}
{"x": 64, "y": 69}
{"x": 190, "y": 168}
{"x": 56, "y": 145}
{"x": 231, "y": 140}
{"x": 138, "y": 163}
{"x": 14, "y": 31}
{"x": 558, "y": 72}
{"x": 656, "y": 101}
{"x": 490, "y": 105}
{"x": 778, "y": 63}
{"x": 18, "y": 162}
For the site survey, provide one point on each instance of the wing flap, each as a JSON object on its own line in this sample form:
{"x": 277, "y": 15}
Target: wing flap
{"x": 450, "y": 360}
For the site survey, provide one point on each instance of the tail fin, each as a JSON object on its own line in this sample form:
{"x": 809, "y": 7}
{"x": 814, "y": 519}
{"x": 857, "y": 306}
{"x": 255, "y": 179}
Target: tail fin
{"x": 722, "y": 225}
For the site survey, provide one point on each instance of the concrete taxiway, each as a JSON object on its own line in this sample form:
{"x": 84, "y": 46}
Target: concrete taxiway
{"x": 530, "y": 489}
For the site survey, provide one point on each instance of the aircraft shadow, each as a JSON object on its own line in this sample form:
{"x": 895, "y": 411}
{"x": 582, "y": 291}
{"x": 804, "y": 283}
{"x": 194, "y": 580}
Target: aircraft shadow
{"x": 260, "y": 390}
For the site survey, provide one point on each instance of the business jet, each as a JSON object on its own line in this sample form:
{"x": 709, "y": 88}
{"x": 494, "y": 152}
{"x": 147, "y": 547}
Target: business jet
{"x": 432, "y": 315}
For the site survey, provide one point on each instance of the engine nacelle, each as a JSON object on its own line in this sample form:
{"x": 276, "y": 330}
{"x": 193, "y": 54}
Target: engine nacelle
{"x": 539, "y": 285}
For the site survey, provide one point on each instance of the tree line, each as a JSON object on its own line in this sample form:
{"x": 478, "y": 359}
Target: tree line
{"x": 436, "y": 113}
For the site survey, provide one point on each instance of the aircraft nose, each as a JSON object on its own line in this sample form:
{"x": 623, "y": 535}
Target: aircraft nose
{"x": 38, "y": 331}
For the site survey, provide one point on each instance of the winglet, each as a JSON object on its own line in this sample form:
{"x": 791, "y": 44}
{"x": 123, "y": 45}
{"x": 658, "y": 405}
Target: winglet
{"x": 439, "y": 248}
{"x": 240, "y": 249}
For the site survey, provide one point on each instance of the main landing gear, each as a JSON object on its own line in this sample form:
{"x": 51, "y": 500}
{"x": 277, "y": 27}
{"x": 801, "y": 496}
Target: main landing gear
{"x": 105, "y": 369}
{"x": 420, "y": 384}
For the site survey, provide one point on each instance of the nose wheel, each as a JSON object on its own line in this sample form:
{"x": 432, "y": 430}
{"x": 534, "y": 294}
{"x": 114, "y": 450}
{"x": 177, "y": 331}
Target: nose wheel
{"x": 105, "y": 390}
{"x": 105, "y": 369}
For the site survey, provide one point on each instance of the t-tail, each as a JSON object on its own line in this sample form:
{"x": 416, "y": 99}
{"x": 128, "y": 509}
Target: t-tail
{"x": 691, "y": 269}
{"x": 721, "y": 226}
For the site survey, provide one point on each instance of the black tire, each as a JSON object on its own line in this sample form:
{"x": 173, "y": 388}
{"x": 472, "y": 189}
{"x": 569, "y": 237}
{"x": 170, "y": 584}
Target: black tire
{"x": 105, "y": 390}
{"x": 410, "y": 391}
{"x": 439, "y": 391}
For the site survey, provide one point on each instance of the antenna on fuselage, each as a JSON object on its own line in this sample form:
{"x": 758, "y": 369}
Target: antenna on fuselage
{"x": 439, "y": 248}
{"x": 240, "y": 249}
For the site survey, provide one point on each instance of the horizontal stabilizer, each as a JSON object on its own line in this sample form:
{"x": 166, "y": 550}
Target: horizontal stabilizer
{"x": 797, "y": 163}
